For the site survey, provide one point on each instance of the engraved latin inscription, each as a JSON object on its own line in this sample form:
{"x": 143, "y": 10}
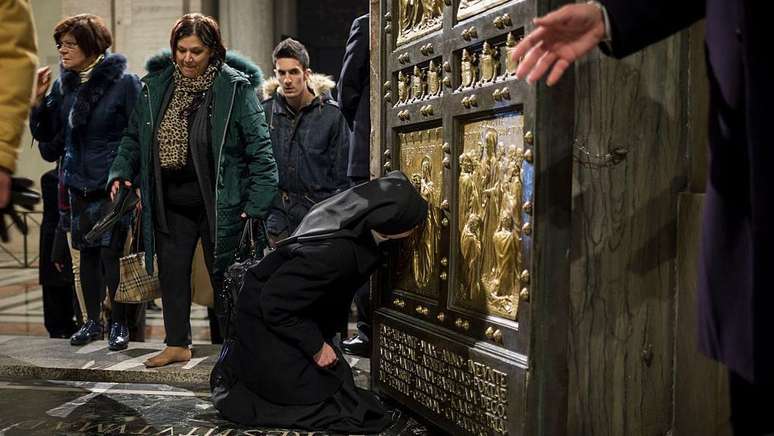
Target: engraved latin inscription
{"x": 465, "y": 391}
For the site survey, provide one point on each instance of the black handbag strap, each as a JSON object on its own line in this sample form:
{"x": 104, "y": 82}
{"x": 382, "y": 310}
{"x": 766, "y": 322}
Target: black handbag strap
{"x": 134, "y": 247}
{"x": 250, "y": 242}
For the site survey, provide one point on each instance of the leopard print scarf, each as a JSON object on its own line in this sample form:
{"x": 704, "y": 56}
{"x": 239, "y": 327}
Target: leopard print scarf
{"x": 173, "y": 131}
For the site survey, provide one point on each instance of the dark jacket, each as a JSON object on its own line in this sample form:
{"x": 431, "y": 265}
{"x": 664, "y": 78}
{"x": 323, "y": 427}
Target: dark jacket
{"x": 90, "y": 119}
{"x": 312, "y": 147}
{"x": 245, "y": 171}
{"x": 355, "y": 97}
{"x": 736, "y": 288}
{"x": 48, "y": 275}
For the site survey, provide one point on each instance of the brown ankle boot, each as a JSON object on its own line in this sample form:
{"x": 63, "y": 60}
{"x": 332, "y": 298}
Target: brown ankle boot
{"x": 169, "y": 355}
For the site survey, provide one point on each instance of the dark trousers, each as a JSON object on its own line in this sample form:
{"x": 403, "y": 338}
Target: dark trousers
{"x": 59, "y": 310}
{"x": 100, "y": 267}
{"x": 175, "y": 252}
{"x": 363, "y": 305}
{"x": 750, "y": 406}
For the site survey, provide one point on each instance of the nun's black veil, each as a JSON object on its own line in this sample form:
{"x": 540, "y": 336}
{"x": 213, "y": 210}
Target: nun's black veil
{"x": 390, "y": 205}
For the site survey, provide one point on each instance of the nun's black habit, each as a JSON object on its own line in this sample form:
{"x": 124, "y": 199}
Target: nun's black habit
{"x": 292, "y": 302}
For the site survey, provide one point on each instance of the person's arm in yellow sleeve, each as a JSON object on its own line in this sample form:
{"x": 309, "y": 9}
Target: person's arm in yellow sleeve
{"x": 18, "y": 60}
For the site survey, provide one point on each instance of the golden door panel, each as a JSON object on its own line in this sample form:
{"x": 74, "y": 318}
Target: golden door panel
{"x": 417, "y": 18}
{"x": 468, "y": 8}
{"x": 421, "y": 159}
{"x": 494, "y": 184}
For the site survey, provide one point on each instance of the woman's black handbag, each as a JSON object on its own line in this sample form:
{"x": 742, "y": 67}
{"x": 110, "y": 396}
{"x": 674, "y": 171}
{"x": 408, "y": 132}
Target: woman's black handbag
{"x": 249, "y": 253}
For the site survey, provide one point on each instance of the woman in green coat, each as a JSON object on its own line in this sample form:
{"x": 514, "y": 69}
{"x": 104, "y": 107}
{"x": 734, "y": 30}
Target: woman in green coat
{"x": 198, "y": 147}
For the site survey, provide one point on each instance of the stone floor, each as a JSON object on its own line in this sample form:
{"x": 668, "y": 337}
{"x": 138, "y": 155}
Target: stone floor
{"x": 48, "y": 387}
{"x": 88, "y": 408}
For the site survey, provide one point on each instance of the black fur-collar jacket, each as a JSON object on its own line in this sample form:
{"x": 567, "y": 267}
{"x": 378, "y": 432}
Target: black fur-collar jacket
{"x": 83, "y": 123}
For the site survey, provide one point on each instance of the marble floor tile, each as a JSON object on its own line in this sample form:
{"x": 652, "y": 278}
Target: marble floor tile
{"x": 84, "y": 408}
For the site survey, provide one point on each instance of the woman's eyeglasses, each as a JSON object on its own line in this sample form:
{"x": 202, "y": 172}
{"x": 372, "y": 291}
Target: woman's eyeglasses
{"x": 66, "y": 44}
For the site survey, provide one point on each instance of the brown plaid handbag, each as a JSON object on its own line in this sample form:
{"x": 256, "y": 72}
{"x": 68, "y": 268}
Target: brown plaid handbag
{"x": 136, "y": 285}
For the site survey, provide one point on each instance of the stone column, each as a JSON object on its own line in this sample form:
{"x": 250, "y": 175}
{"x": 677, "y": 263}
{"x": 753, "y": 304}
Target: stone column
{"x": 248, "y": 27}
{"x": 285, "y": 19}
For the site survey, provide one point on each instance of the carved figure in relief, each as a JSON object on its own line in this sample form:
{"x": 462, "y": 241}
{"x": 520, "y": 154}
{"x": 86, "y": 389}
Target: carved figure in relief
{"x": 488, "y": 63}
{"x": 504, "y": 241}
{"x": 512, "y": 189}
{"x": 467, "y": 189}
{"x": 476, "y": 202}
{"x": 417, "y": 84}
{"x": 510, "y": 63}
{"x": 469, "y": 69}
{"x": 489, "y": 180}
{"x": 403, "y": 88}
{"x": 425, "y": 253}
{"x": 409, "y": 11}
{"x": 488, "y": 177}
{"x": 470, "y": 246}
{"x": 433, "y": 80}
{"x": 418, "y": 16}
{"x": 431, "y": 9}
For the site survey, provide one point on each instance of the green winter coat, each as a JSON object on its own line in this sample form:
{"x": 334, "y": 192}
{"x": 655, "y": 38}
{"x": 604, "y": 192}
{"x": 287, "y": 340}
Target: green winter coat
{"x": 245, "y": 171}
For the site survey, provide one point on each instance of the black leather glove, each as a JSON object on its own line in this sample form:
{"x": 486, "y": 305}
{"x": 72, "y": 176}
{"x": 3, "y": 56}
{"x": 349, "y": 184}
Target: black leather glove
{"x": 22, "y": 196}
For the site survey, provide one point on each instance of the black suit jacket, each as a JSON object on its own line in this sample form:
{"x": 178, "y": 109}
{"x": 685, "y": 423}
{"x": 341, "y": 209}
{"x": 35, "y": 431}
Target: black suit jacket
{"x": 354, "y": 97}
{"x": 736, "y": 286}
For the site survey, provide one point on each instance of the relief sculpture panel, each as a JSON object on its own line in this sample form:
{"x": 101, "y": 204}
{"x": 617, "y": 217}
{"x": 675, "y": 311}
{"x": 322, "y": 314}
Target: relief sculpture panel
{"x": 421, "y": 159}
{"x": 417, "y": 18}
{"x": 495, "y": 181}
{"x": 468, "y": 8}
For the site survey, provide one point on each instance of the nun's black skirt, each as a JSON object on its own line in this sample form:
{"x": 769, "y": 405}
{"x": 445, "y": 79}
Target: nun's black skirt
{"x": 349, "y": 410}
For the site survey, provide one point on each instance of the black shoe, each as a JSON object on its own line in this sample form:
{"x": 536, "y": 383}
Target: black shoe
{"x": 89, "y": 331}
{"x": 153, "y": 306}
{"x": 356, "y": 346}
{"x": 119, "y": 337}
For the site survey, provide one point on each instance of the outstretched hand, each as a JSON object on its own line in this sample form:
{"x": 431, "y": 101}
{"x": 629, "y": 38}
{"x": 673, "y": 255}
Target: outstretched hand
{"x": 559, "y": 38}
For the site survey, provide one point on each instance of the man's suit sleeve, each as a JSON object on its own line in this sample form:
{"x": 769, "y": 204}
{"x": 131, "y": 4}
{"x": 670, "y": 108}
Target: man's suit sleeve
{"x": 354, "y": 72}
{"x": 638, "y": 23}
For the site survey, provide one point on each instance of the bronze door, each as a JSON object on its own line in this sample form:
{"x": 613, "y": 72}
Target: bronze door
{"x": 452, "y": 319}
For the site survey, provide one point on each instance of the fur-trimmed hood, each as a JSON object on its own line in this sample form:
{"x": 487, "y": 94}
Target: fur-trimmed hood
{"x": 234, "y": 60}
{"x": 320, "y": 84}
{"x": 109, "y": 71}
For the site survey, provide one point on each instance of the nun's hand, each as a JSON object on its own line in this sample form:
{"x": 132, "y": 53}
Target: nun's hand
{"x": 326, "y": 357}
